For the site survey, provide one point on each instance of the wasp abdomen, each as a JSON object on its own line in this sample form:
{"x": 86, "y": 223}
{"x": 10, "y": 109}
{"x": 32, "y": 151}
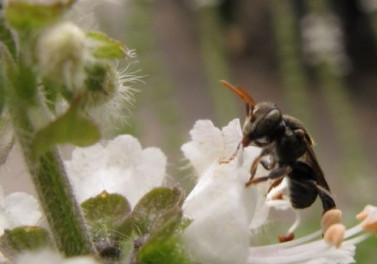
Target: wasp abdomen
{"x": 301, "y": 180}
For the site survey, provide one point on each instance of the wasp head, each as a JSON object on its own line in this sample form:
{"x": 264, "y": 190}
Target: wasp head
{"x": 261, "y": 119}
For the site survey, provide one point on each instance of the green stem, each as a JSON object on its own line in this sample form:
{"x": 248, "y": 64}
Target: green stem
{"x": 62, "y": 212}
{"x": 47, "y": 172}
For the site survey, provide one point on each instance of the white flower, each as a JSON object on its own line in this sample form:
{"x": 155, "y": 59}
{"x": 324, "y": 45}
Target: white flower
{"x": 18, "y": 209}
{"x": 220, "y": 206}
{"x": 303, "y": 251}
{"x": 48, "y": 257}
{"x": 210, "y": 144}
{"x": 312, "y": 249}
{"x": 225, "y": 215}
{"x": 121, "y": 166}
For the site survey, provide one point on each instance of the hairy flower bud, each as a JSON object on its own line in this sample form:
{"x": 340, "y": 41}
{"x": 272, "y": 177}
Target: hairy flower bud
{"x": 101, "y": 83}
{"x": 61, "y": 52}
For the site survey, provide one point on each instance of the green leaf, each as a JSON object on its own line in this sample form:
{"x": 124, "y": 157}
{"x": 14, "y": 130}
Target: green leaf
{"x": 7, "y": 71}
{"x": 26, "y": 16}
{"x": 106, "y": 207}
{"x": 107, "y": 48}
{"x": 125, "y": 235}
{"x": 71, "y": 127}
{"x": 103, "y": 213}
{"x": 2, "y": 88}
{"x": 25, "y": 238}
{"x": 50, "y": 91}
{"x": 6, "y": 37}
{"x": 154, "y": 205}
{"x": 25, "y": 83}
{"x": 6, "y": 139}
{"x": 154, "y": 227}
{"x": 164, "y": 246}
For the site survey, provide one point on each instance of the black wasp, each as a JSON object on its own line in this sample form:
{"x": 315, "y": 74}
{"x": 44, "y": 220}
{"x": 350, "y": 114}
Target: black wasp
{"x": 289, "y": 146}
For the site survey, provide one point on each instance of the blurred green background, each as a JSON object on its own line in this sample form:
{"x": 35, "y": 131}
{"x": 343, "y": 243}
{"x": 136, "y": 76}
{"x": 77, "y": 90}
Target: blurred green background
{"x": 317, "y": 60}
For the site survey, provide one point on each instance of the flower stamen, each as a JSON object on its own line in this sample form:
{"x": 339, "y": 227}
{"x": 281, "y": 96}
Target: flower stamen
{"x": 330, "y": 218}
{"x": 369, "y": 219}
{"x": 334, "y": 235}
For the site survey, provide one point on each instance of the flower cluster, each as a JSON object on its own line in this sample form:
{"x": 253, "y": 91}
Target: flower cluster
{"x": 109, "y": 202}
{"x": 225, "y": 213}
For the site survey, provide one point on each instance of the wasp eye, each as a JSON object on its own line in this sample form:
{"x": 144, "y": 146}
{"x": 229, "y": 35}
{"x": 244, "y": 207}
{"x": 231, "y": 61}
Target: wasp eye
{"x": 266, "y": 122}
{"x": 271, "y": 120}
{"x": 247, "y": 126}
{"x": 272, "y": 117}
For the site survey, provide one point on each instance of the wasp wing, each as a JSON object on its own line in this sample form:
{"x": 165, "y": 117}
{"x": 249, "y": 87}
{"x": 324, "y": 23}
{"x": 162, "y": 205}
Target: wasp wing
{"x": 309, "y": 155}
{"x": 311, "y": 158}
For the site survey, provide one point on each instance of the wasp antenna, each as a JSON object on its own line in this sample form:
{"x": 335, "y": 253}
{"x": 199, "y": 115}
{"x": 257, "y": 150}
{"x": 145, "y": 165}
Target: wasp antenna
{"x": 240, "y": 92}
{"x": 250, "y": 103}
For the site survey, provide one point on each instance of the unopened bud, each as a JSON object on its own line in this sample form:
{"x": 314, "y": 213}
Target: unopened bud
{"x": 61, "y": 50}
{"x": 101, "y": 83}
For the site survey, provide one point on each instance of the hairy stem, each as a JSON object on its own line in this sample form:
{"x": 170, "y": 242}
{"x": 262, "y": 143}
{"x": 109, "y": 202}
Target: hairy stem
{"x": 48, "y": 175}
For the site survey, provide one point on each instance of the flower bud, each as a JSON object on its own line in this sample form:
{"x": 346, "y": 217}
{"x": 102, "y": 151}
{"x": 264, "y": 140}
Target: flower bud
{"x": 100, "y": 84}
{"x": 61, "y": 51}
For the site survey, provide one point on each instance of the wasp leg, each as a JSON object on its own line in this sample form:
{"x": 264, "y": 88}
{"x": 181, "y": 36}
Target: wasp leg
{"x": 224, "y": 161}
{"x": 326, "y": 198}
{"x": 265, "y": 151}
{"x": 275, "y": 183}
{"x": 275, "y": 174}
{"x": 268, "y": 165}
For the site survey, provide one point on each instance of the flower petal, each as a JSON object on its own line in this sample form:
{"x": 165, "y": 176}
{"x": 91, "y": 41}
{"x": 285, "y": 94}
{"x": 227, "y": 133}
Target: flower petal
{"x": 232, "y": 136}
{"x": 22, "y": 209}
{"x": 221, "y": 209}
{"x": 205, "y": 147}
{"x": 122, "y": 167}
{"x": 123, "y": 151}
{"x": 219, "y": 231}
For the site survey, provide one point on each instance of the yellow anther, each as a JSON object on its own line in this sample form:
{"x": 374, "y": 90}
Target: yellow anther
{"x": 334, "y": 235}
{"x": 330, "y": 218}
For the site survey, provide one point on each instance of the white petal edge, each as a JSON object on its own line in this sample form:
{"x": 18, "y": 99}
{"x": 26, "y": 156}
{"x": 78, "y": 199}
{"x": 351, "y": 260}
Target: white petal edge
{"x": 22, "y": 209}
